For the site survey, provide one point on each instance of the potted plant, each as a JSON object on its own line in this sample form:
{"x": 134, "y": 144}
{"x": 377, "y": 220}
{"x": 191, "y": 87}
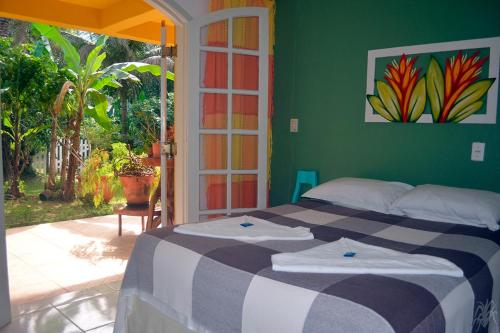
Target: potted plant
{"x": 106, "y": 182}
{"x": 150, "y": 124}
{"x": 96, "y": 178}
{"x": 135, "y": 177}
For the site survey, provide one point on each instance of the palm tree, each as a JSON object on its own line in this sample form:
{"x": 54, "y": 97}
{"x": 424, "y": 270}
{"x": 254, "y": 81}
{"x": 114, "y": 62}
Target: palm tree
{"x": 153, "y": 57}
{"x": 55, "y": 113}
{"x": 121, "y": 50}
{"x": 18, "y": 30}
{"x": 4, "y": 27}
{"x": 86, "y": 83}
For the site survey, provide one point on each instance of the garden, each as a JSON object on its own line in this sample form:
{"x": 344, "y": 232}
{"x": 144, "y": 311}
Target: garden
{"x": 59, "y": 90}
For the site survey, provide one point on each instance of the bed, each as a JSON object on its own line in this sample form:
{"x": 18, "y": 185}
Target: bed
{"x": 183, "y": 283}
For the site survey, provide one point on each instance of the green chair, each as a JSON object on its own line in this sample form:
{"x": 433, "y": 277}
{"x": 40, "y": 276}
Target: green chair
{"x": 309, "y": 177}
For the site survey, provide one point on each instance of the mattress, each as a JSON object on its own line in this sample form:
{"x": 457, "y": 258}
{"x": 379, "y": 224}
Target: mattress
{"x": 219, "y": 285}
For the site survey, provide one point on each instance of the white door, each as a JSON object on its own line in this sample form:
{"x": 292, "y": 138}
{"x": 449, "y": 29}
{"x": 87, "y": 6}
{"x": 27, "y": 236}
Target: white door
{"x": 4, "y": 285}
{"x": 228, "y": 113}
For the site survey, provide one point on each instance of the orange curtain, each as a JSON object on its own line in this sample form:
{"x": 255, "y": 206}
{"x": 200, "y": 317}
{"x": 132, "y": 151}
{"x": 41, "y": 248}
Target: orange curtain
{"x": 244, "y": 112}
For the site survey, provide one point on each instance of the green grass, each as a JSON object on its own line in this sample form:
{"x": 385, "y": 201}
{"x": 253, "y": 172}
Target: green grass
{"x": 29, "y": 210}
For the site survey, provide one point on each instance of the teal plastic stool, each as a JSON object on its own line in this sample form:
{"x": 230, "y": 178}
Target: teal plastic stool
{"x": 309, "y": 177}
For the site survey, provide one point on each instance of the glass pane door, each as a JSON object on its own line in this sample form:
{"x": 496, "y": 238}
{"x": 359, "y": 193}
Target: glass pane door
{"x": 231, "y": 114}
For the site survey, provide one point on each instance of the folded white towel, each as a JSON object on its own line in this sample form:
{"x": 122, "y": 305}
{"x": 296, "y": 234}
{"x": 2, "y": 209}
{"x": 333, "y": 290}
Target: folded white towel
{"x": 368, "y": 259}
{"x": 256, "y": 230}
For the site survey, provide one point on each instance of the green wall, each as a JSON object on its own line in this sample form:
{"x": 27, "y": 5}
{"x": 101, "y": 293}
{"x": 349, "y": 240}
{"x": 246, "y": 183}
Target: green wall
{"x": 320, "y": 78}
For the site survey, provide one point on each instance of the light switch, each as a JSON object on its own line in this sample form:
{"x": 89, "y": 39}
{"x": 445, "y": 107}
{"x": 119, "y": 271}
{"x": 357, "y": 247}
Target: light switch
{"x": 294, "y": 125}
{"x": 477, "y": 151}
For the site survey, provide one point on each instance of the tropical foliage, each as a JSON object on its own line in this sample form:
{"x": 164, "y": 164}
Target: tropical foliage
{"x": 99, "y": 137}
{"x": 144, "y": 124}
{"x": 55, "y": 83}
{"x": 121, "y": 50}
{"x": 91, "y": 183}
{"x": 453, "y": 94}
{"x": 87, "y": 81}
{"x": 99, "y": 172}
{"x": 28, "y": 85}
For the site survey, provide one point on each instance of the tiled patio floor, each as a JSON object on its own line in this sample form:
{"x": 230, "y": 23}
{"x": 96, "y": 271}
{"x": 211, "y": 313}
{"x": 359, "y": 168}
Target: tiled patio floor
{"x": 90, "y": 310}
{"x": 52, "y": 259}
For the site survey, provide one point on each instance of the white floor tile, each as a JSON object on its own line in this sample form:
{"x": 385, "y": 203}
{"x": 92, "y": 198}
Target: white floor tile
{"x": 80, "y": 295}
{"x": 22, "y": 309}
{"x": 115, "y": 285}
{"x": 44, "y": 321}
{"x": 93, "y": 312}
{"x": 67, "y": 256}
{"x": 103, "y": 329}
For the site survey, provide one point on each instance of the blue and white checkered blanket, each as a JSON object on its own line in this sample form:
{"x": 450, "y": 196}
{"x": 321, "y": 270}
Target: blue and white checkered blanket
{"x": 224, "y": 285}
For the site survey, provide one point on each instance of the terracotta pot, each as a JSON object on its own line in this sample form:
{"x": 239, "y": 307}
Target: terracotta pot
{"x": 156, "y": 149}
{"x": 105, "y": 186}
{"x": 170, "y": 132}
{"x": 137, "y": 189}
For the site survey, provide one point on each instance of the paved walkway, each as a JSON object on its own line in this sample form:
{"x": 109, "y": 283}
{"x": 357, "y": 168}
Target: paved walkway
{"x": 55, "y": 258}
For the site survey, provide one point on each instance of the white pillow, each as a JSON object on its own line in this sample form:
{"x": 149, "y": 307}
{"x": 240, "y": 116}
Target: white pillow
{"x": 451, "y": 204}
{"x": 369, "y": 194}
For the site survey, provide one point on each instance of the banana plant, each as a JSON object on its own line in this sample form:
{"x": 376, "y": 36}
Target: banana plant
{"x": 403, "y": 97}
{"x": 88, "y": 78}
{"x": 456, "y": 94}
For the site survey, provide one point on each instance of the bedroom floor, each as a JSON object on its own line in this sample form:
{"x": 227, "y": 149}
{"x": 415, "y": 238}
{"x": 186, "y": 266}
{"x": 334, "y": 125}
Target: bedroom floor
{"x": 90, "y": 310}
{"x": 47, "y": 260}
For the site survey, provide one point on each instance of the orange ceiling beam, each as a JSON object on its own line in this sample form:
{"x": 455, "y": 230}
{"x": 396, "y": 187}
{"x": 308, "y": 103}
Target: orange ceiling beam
{"x": 129, "y": 19}
{"x": 125, "y": 14}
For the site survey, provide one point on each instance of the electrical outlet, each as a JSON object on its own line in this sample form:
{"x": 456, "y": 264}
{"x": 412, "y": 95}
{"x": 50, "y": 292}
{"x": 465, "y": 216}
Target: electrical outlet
{"x": 294, "y": 125}
{"x": 477, "y": 153}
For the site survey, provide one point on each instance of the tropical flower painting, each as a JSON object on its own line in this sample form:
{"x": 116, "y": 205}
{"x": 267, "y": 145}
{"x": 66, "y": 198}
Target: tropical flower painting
{"x": 402, "y": 97}
{"x": 445, "y": 86}
{"x": 458, "y": 93}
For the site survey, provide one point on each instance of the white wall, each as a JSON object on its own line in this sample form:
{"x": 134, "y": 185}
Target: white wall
{"x": 195, "y": 8}
{"x": 4, "y": 283}
{"x": 181, "y": 11}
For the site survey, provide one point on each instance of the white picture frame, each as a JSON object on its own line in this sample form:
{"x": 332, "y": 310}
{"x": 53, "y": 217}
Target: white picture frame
{"x": 493, "y": 72}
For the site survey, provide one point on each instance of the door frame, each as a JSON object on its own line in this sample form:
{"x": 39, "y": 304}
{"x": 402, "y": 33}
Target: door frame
{"x": 182, "y": 13}
{"x": 181, "y": 18}
{"x": 5, "y": 315}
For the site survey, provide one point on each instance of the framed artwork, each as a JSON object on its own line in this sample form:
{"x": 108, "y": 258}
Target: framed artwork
{"x": 452, "y": 82}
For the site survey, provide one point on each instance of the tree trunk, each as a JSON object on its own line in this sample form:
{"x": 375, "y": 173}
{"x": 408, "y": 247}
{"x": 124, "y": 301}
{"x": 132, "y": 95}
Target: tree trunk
{"x": 52, "y": 163}
{"x": 64, "y": 161}
{"x": 14, "y": 181}
{"x": 49, "y": 195}
{"x": 7, "y": 158}
{"x": 124, "y": 111}
{"x": 74, "y": 161}
{"x": 14, "y": 185}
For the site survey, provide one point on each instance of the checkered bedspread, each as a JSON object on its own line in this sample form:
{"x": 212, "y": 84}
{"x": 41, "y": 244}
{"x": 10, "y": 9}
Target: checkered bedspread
{"x": 216, "y": 285}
